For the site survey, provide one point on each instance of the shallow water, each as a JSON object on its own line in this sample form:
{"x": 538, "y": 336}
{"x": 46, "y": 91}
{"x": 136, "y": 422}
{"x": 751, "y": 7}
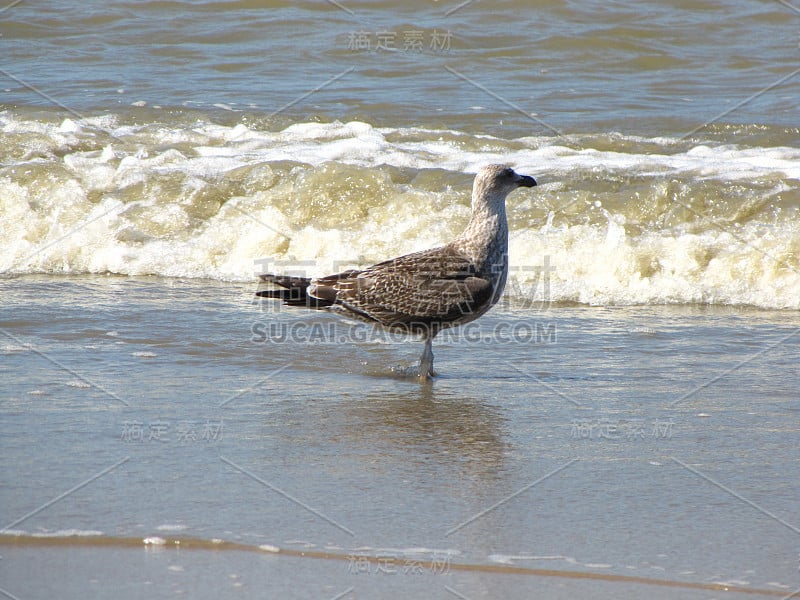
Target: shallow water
{"x": 657, "y": 442}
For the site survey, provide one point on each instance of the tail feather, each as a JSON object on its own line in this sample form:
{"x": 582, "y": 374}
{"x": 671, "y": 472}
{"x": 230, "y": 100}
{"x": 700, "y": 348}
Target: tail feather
{"x": 286, "y": 281}
{"x": 294, "y": 292}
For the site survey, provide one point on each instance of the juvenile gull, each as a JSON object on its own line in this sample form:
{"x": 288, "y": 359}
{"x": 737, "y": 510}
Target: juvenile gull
{"x": 426, "y": 291}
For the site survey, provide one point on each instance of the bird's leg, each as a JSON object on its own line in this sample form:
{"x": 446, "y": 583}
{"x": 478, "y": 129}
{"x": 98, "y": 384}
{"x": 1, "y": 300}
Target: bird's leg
{"x": 426, "y": 360}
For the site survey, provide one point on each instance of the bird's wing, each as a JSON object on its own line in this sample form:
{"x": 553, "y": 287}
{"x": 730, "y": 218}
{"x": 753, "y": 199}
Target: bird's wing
{"x": 436, "y": 285}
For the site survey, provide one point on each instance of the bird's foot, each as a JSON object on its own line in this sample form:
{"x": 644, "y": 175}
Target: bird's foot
{"x": 426, "y": 374}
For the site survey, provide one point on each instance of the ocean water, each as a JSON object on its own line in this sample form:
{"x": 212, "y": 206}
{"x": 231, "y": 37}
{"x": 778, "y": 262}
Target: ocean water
{"x": 657, "y": 443}
{"x": 623, "y": 424}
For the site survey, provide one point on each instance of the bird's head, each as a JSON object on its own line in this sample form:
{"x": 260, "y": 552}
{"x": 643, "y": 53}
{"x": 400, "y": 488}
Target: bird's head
{"x": 497, "y": 181}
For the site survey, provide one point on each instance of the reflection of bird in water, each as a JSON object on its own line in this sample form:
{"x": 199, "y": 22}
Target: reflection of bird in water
{"x": 426, "y": 291}
{"x": 437, "y": 430}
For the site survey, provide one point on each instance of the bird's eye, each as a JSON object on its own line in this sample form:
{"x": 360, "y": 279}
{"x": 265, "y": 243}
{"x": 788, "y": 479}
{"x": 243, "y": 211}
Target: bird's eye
{"x": 508, "y": 172}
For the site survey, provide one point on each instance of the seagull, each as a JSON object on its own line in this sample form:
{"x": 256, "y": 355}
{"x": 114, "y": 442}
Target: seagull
{"x": 428, "y": 291}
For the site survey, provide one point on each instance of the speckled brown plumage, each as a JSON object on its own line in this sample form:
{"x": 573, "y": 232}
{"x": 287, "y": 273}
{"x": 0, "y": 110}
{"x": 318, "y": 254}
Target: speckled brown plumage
{"x": 426, "y": 291}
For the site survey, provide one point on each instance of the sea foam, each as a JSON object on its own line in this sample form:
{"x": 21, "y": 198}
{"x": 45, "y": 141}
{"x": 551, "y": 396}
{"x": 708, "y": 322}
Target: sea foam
{"x": 616, "y": 220}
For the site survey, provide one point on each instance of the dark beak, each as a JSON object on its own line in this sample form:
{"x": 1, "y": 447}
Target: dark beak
{"x": 526, "y": 181}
